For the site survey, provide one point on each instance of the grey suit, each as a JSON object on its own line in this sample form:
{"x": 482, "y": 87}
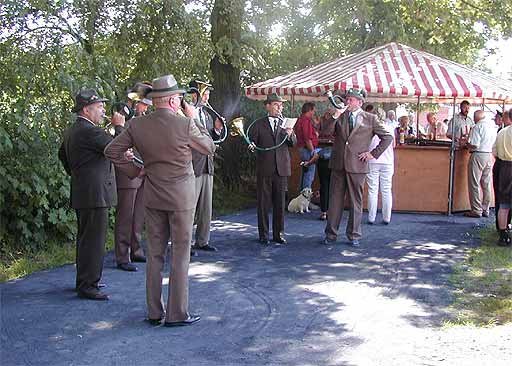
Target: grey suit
{"x": 203, "y": 171}
{"x": 348, "y": 172}
{"x": 93, "y": 191}
{"x": 164, "y": 141}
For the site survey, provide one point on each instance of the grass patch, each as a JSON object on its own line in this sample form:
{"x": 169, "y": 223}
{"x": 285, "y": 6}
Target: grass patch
{"x": 227, "y": 201}
{"x": 483, "y": 283}
{"x": 54, "y": 255}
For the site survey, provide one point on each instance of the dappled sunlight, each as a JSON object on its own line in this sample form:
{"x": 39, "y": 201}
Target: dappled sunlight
{"x": 102, "y": 325}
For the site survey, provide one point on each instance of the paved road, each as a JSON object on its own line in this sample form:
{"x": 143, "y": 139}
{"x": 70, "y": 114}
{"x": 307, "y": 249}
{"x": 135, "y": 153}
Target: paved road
{"x": 303, "y": 303}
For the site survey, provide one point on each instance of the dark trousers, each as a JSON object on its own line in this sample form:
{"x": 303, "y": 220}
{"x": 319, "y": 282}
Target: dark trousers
{"x": 271, "y": 192}
{"x": 90, "y": 248}
{"x": 324, "y": 176}
{"x": 495, "y": 180}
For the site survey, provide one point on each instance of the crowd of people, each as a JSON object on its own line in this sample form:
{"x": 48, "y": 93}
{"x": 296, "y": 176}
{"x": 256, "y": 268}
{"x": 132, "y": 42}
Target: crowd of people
{"x": 478, "y": 135}
{"x": 157, "y": 170}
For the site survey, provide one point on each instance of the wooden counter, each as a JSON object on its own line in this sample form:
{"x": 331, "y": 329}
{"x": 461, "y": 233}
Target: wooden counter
{"x": 421, "y": 179}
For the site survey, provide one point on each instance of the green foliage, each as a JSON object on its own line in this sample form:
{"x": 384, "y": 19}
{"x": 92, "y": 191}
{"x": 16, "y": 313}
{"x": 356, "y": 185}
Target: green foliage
{"x": 483, "y": 284}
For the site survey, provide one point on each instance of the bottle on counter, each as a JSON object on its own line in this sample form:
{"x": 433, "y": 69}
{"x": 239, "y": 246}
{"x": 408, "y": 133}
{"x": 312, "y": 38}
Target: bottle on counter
{"x": 402, "y": 136}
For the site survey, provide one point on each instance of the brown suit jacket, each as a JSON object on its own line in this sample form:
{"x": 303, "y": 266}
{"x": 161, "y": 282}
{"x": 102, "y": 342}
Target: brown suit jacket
{"x": 347, "y": 146}
{"x": 164, "y": 141}
{"x": 278, "y": 160}
{"x": 122, "y": 180}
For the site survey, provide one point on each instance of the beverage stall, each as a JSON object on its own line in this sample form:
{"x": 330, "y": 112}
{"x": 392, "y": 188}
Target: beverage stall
{"x": 428, "y": 177}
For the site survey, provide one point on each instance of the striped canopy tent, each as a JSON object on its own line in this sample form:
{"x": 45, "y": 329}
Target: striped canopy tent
{"x": 393, "y": 72}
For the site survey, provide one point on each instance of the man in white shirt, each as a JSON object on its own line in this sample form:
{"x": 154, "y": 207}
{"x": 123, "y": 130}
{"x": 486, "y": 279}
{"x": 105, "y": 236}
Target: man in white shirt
{"x": 480, "y": 142}
{"x": 391, "y": 119}
{"x": 463, "y": 123}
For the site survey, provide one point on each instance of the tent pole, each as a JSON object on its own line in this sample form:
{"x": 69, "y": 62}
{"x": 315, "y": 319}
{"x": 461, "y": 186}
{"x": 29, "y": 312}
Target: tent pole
{"x": 418, "y": 122}
{"x": 452, "y": 163}
{"x": 292, "y": 105}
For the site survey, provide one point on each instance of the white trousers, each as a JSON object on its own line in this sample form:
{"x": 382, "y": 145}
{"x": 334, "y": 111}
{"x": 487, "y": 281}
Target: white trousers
{"x": 380, "y": 175}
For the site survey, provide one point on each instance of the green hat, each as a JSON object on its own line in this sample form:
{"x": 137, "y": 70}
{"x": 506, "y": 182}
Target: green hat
{"x": 86, "y": 97}
{"x": 273, "y": 98}
{"x": 356, "y": 93}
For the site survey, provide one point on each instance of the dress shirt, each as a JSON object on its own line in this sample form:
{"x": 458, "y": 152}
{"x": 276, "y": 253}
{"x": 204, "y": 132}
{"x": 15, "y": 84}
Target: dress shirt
{"x": 483, "y": 136}
{"x": 460, "y": 122}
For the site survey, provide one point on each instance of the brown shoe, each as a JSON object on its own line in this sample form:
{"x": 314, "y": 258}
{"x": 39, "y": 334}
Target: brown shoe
{"x": 472, "y": 214}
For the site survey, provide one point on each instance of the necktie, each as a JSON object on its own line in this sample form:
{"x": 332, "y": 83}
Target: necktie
{"x": 350, "y": 122}
{"x": 201, "y": 117}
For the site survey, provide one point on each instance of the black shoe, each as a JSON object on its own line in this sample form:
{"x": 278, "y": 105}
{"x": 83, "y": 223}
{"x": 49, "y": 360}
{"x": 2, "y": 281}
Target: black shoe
{"x": 127, "y": 267}
{"x": 264, "y": 241}
{"x": 504, "y": 240}
{"x": 138, "y": 258}
{"x": 92, "y": 294}
{"x": 207, "y": 248}
{"x": 155, "y": 322}
{"x": 280, "y": 240}
{"x": 189, "y": 321}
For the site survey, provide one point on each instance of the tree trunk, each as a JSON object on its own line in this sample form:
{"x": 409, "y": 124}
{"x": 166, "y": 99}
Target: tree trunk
{"x": 226, "y": 21}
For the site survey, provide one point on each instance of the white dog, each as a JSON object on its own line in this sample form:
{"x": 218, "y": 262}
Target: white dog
{"x": 301, "y": 202}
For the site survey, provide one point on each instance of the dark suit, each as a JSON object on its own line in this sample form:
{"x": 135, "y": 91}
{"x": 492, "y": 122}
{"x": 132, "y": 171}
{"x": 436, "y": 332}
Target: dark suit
{"x": 203, "y": 171}
{"x": 272, "y": 171}
{"x": 129, "y": 213}
{"x": 348, "y": 172}
{"x": 93, "y": 191}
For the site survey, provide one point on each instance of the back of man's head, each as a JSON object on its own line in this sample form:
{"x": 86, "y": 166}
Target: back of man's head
{"x": 479, "y": 115}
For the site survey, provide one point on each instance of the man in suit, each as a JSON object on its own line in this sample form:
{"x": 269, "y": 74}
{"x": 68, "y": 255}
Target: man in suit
{"x": 354, "y": 130}
{"x": 272, "y": 168}
{"x": 203, "y": 170}
{"x": 130, "y": 206}
{"x": 164, "y": 141}
{"x": 93, "y": 188}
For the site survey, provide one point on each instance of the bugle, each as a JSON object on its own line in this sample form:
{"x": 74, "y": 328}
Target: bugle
{"x": 336, "y": 100}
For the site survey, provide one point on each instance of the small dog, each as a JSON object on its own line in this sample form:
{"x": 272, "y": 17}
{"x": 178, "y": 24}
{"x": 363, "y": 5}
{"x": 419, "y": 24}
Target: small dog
{"x": 301, "y": 202}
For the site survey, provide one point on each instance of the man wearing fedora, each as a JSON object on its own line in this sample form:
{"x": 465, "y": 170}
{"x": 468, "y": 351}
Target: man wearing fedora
{"x": 164, "y": 141}
{"x": 203, "y": 170}
{"x": 272, "y": 168}
{"x": 93, "y": 188}
{"x": 130, "y": 206}
{"x": 354, "y": 130}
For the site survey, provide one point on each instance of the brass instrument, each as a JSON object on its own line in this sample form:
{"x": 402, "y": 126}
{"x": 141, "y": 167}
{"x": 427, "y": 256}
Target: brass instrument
{"x": 237, "y": 129}
{"x": 336, "y": 100}
{"x": 198, "y": 88}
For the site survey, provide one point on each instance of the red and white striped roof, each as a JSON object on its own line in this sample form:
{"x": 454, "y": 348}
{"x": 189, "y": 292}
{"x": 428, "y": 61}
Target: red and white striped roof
{"x": 388, "y": 72}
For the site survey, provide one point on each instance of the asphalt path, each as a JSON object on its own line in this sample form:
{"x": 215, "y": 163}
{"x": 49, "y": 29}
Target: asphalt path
{"x": 303, "y": 303}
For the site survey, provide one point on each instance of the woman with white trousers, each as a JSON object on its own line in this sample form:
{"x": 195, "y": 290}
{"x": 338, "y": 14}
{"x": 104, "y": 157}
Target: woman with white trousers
{"x": 381, "y": 175}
